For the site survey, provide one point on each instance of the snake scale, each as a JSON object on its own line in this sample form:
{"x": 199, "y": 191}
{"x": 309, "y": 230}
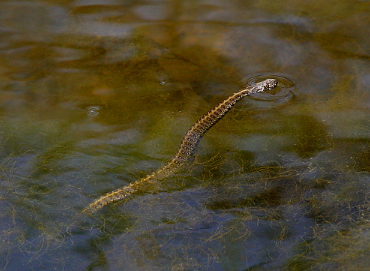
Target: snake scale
{"x": 187, "y": 147}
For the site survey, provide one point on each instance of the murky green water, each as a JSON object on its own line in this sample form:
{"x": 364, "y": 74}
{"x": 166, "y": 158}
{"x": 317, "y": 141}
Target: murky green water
{"x": 96, "y": 94}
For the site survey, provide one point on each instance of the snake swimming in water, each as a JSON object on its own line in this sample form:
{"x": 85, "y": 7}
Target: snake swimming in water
{"x": 187, "y": 147}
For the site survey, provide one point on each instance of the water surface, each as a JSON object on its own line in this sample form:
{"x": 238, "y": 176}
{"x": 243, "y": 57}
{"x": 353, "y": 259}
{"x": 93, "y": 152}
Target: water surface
{"x": 96, "y": 94}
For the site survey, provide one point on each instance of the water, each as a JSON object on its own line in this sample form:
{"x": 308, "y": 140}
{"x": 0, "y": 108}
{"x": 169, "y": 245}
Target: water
{"x": 96, "y": 94}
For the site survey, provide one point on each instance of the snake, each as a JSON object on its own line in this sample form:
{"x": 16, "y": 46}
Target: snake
{"x": 187, "y": 147}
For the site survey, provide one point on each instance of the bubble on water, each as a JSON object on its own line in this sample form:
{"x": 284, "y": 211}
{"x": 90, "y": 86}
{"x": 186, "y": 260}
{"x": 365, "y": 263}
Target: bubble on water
{"x": 163, "y": 81}
{"x": 93, "y": 110}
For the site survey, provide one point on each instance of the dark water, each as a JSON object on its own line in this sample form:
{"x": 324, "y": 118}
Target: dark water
{"x": 96, "y": 94}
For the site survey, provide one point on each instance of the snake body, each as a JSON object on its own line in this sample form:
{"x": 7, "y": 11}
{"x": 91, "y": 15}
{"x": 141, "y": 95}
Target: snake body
{"x": 187, "y": 147}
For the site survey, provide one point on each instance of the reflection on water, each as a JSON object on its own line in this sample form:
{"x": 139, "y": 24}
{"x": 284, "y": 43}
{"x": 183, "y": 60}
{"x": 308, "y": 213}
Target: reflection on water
{"x": 96, "y": 94}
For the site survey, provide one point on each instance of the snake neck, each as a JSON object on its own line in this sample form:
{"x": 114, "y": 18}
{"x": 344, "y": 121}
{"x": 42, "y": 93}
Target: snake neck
{"x": 201, "y": 126}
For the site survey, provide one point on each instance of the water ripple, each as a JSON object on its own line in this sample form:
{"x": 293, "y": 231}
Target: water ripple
{"x": 93, "y": 110}
{"x": 281, "y": 95}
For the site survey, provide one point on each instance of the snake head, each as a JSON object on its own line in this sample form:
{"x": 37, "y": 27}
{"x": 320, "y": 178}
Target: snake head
{"x": 264, "y": 85}
{"x": 270, "y": 84}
